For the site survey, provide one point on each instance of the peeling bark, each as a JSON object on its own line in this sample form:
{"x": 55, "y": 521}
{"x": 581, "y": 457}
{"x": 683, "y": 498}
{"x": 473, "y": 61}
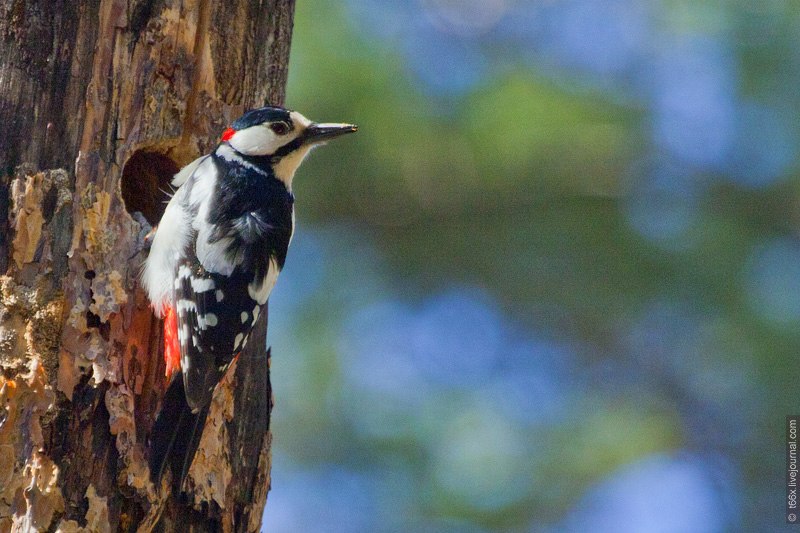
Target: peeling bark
{"x": 100, "y": 102}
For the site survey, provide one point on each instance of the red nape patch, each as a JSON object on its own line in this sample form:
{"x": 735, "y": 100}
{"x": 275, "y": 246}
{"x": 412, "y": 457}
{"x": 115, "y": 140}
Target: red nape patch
{"x": 172, "y": 350}
{"x": 227, "y": 134}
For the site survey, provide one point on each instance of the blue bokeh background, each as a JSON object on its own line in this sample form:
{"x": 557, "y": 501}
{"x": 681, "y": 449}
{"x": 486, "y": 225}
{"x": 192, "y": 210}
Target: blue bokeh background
{"x": 553, "y": 283}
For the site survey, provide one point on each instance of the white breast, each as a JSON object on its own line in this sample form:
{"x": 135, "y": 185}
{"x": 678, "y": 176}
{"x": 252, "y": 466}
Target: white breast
{"x": 171, "y": 239}
{"x": 175, "y": 229}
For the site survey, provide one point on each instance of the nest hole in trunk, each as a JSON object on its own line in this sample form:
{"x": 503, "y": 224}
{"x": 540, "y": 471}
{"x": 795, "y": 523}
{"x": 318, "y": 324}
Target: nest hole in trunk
{"x": 145, "y": 184}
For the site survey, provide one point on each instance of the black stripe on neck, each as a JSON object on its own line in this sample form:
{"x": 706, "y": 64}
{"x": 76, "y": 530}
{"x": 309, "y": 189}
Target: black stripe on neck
{"x": 288, "y": 148}
{"x": 264, "y": 162}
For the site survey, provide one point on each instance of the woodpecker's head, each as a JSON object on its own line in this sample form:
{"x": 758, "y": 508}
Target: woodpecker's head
{"x": 283, "y": 135}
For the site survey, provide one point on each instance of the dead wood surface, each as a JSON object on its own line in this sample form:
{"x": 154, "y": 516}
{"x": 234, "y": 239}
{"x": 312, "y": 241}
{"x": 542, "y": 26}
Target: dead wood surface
{"x": 100, "y": 102}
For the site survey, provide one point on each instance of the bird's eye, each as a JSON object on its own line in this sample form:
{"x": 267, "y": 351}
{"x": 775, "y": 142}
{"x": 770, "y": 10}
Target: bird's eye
{"x": 281, "y": 128}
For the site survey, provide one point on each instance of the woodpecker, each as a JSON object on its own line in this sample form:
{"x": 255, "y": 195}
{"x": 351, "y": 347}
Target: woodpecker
{"x": 214, "y": 260}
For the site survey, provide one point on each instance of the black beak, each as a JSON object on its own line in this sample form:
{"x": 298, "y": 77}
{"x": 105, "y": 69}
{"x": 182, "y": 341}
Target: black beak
{"x": 317, "y": 133}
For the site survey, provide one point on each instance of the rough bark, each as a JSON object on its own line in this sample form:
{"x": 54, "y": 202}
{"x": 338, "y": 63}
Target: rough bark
{"x": 101, "y": 101}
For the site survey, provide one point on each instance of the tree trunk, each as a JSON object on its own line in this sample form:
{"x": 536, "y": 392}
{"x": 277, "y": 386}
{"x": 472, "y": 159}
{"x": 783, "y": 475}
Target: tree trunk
{"x": 101, "y": 101}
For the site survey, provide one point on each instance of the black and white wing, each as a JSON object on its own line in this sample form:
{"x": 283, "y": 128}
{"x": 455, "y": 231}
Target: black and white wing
{"x": 215, "y": 315}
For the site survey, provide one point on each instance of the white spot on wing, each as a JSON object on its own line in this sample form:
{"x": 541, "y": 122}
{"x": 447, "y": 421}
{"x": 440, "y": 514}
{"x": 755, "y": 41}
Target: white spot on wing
{"x": 261, "y": 293}
{"x": 219, "y": 295}
{"x": 256, "y": 312}
{"x": 211, "y": 319}
{"x": 185, "y": 305}
{"x": 244, "y": 316}
{"x": 202, "y": 284}
{"x": 214, "y": 256}
{"x": 237, "y": 341}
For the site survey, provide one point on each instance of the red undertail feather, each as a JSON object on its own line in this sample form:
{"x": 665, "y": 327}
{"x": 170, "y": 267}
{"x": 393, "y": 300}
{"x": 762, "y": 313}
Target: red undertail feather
{"x": 172, "y": 350}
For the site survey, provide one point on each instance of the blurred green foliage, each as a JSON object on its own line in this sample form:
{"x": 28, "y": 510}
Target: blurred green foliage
{"x": 532, "y": 186}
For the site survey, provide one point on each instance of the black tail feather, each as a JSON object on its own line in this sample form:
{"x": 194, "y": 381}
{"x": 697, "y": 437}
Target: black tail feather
{"x": 175, "y": 436}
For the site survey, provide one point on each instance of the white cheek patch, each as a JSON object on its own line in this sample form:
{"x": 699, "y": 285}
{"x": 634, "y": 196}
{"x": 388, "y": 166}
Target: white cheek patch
{"x": 256, "y": 140}
{"x": 261, "y": 140}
